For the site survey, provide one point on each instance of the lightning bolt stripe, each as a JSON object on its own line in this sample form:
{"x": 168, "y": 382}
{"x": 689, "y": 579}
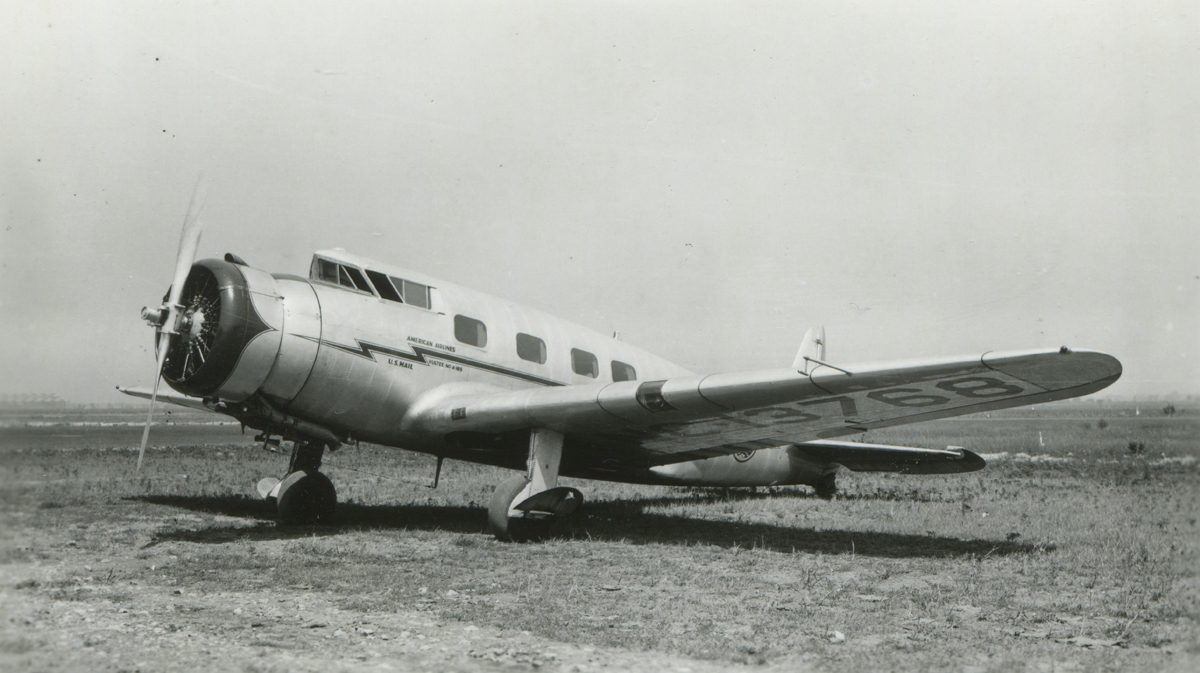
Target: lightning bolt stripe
{"x": 420, "y": 355}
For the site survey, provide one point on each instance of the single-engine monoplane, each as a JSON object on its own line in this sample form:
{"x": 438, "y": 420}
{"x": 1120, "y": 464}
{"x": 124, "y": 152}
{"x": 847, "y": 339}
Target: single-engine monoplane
{"x": 361, "y": 350}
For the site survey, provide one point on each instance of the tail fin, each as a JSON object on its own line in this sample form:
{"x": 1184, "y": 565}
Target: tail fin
{"x": 811, "y": 348}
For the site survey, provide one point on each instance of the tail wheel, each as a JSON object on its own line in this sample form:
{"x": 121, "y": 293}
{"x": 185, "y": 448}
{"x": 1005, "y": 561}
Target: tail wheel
{"x": 514, "y": 529}
{"x": 306, "y": 497}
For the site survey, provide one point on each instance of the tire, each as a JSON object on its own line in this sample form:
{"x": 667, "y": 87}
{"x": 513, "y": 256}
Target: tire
{"x": 827, "y": 486}
{"x": 513, "y": 529}
{"x": 306, "y": 497}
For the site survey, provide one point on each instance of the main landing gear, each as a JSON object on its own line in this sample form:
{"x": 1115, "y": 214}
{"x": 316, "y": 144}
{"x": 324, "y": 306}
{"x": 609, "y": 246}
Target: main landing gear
{"x": 305, "y": 496}
{"x": 826, "y": 486}
{"x": 526, "y": 506}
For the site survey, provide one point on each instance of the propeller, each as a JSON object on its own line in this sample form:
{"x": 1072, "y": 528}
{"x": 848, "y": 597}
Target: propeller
{"x": 166, "y": 318}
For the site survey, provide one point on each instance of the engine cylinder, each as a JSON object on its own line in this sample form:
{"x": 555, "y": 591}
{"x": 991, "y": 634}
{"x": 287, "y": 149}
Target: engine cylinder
{"x": 228, "y": 334}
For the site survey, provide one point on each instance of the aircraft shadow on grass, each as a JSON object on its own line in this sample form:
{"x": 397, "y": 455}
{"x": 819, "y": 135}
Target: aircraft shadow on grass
{"x": 616, "y": 521}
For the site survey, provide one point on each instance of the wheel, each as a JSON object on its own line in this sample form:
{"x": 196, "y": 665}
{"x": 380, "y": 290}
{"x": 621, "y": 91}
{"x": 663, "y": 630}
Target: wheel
{"x": 827, "y": 486}
{"x": 306, "y": 497}
{"x": 513, "y": 529}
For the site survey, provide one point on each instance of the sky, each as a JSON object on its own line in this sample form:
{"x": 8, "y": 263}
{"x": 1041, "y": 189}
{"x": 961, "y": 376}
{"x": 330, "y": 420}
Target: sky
{"x": 709, "y": 179}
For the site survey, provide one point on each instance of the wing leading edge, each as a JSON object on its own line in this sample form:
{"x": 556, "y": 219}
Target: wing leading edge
{"x": 173, "y": 398}
{"x": 703, "y": 416}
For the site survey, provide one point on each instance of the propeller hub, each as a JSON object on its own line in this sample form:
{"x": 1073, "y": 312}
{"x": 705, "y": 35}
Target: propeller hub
{"x": 193, "y": 325}
{"x": 154, "y": 316}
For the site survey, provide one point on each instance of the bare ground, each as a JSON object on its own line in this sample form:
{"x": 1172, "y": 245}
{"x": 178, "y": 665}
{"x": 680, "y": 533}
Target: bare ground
{"x": 104, "y": 596}
{"x": 1032, "y": 565}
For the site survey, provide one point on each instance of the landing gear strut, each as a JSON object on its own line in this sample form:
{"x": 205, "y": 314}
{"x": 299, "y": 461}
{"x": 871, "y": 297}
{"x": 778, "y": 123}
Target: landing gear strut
{"x": 305, "y": 496}
{"x": 524, "y": 507}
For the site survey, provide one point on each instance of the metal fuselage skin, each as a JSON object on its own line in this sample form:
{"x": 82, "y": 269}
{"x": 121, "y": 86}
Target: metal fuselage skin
{"x": 362, "y": 365}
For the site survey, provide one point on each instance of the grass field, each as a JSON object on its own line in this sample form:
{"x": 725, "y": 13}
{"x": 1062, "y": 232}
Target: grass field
{"x": 1077, "y": 548}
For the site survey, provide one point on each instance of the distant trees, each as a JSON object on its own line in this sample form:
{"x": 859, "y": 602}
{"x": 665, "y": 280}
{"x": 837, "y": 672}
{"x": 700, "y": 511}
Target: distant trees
{"x": 37, "y": 400}
{"x": 1169, "y": 409}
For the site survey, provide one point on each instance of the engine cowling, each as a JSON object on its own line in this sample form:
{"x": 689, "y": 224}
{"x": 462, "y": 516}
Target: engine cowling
{"x": 229, "y": 332}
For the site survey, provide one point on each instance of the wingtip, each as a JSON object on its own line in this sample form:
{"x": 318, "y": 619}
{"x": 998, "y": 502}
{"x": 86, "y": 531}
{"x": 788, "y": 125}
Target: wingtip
{"x": 1058, "y": 370}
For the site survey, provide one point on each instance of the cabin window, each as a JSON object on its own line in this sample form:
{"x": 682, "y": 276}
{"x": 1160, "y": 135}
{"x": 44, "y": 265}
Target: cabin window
{"x": 384, "y": 286}
{"x": 623, "y": 372}
{"x": 531, "y": 348}
{"x": 470, "y": 331}
{"x": 584, "y": 363}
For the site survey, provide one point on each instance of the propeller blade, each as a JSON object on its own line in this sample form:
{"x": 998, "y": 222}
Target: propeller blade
{"x": 189, "y": 242}
{"x": 164, "y": 343}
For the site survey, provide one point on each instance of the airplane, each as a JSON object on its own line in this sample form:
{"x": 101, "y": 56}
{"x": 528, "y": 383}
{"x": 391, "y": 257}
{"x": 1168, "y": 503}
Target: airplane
{"x": 363, "y": 351}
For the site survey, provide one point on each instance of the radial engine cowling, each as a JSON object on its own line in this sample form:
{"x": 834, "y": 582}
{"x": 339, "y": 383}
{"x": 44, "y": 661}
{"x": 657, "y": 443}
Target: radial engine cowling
{"x": 229, "y": 332}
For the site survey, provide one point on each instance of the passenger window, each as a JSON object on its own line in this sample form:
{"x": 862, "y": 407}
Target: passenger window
{"x": 470, "y": 331}
{"x": 584, "y": 363}
{"x": 623, "y": 372}
{"x": 386, "y": 290}
{"x": 531, "y": 348}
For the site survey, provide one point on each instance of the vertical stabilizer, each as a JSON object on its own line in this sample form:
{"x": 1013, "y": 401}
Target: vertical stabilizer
{"x": 811, "y": 348}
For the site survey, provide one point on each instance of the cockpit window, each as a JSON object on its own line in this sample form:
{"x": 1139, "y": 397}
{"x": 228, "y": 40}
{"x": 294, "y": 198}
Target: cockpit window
{"x": 415, "y": 294}
{"x": 357, "y": 281}
{"x": 390, "y": 288}
{"x": 325, "y": 270}
{"x": 384, "y": 286}
{"x": 339, "y": 274}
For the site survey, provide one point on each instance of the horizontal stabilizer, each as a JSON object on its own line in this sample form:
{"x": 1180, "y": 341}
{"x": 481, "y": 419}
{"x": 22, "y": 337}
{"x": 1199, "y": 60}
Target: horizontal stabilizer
{"x": 863, "y": 457}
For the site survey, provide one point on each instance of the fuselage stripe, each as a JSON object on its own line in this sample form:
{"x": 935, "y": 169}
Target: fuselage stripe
{"x": 418, "y": 354}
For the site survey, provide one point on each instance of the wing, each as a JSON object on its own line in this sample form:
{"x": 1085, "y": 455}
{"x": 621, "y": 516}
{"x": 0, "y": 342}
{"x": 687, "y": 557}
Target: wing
{"x": 660, "y": 422}
{"x": 173, "y": 398}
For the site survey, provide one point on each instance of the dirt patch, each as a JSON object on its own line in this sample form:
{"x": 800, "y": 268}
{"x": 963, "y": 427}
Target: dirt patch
{"x": 1085, "y": 566}
{"x": 73, "y": 610}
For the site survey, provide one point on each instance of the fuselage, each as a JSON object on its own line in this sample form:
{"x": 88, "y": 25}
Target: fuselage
{"x": 377, "y": 355}
{"x": 356, "y": 349}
